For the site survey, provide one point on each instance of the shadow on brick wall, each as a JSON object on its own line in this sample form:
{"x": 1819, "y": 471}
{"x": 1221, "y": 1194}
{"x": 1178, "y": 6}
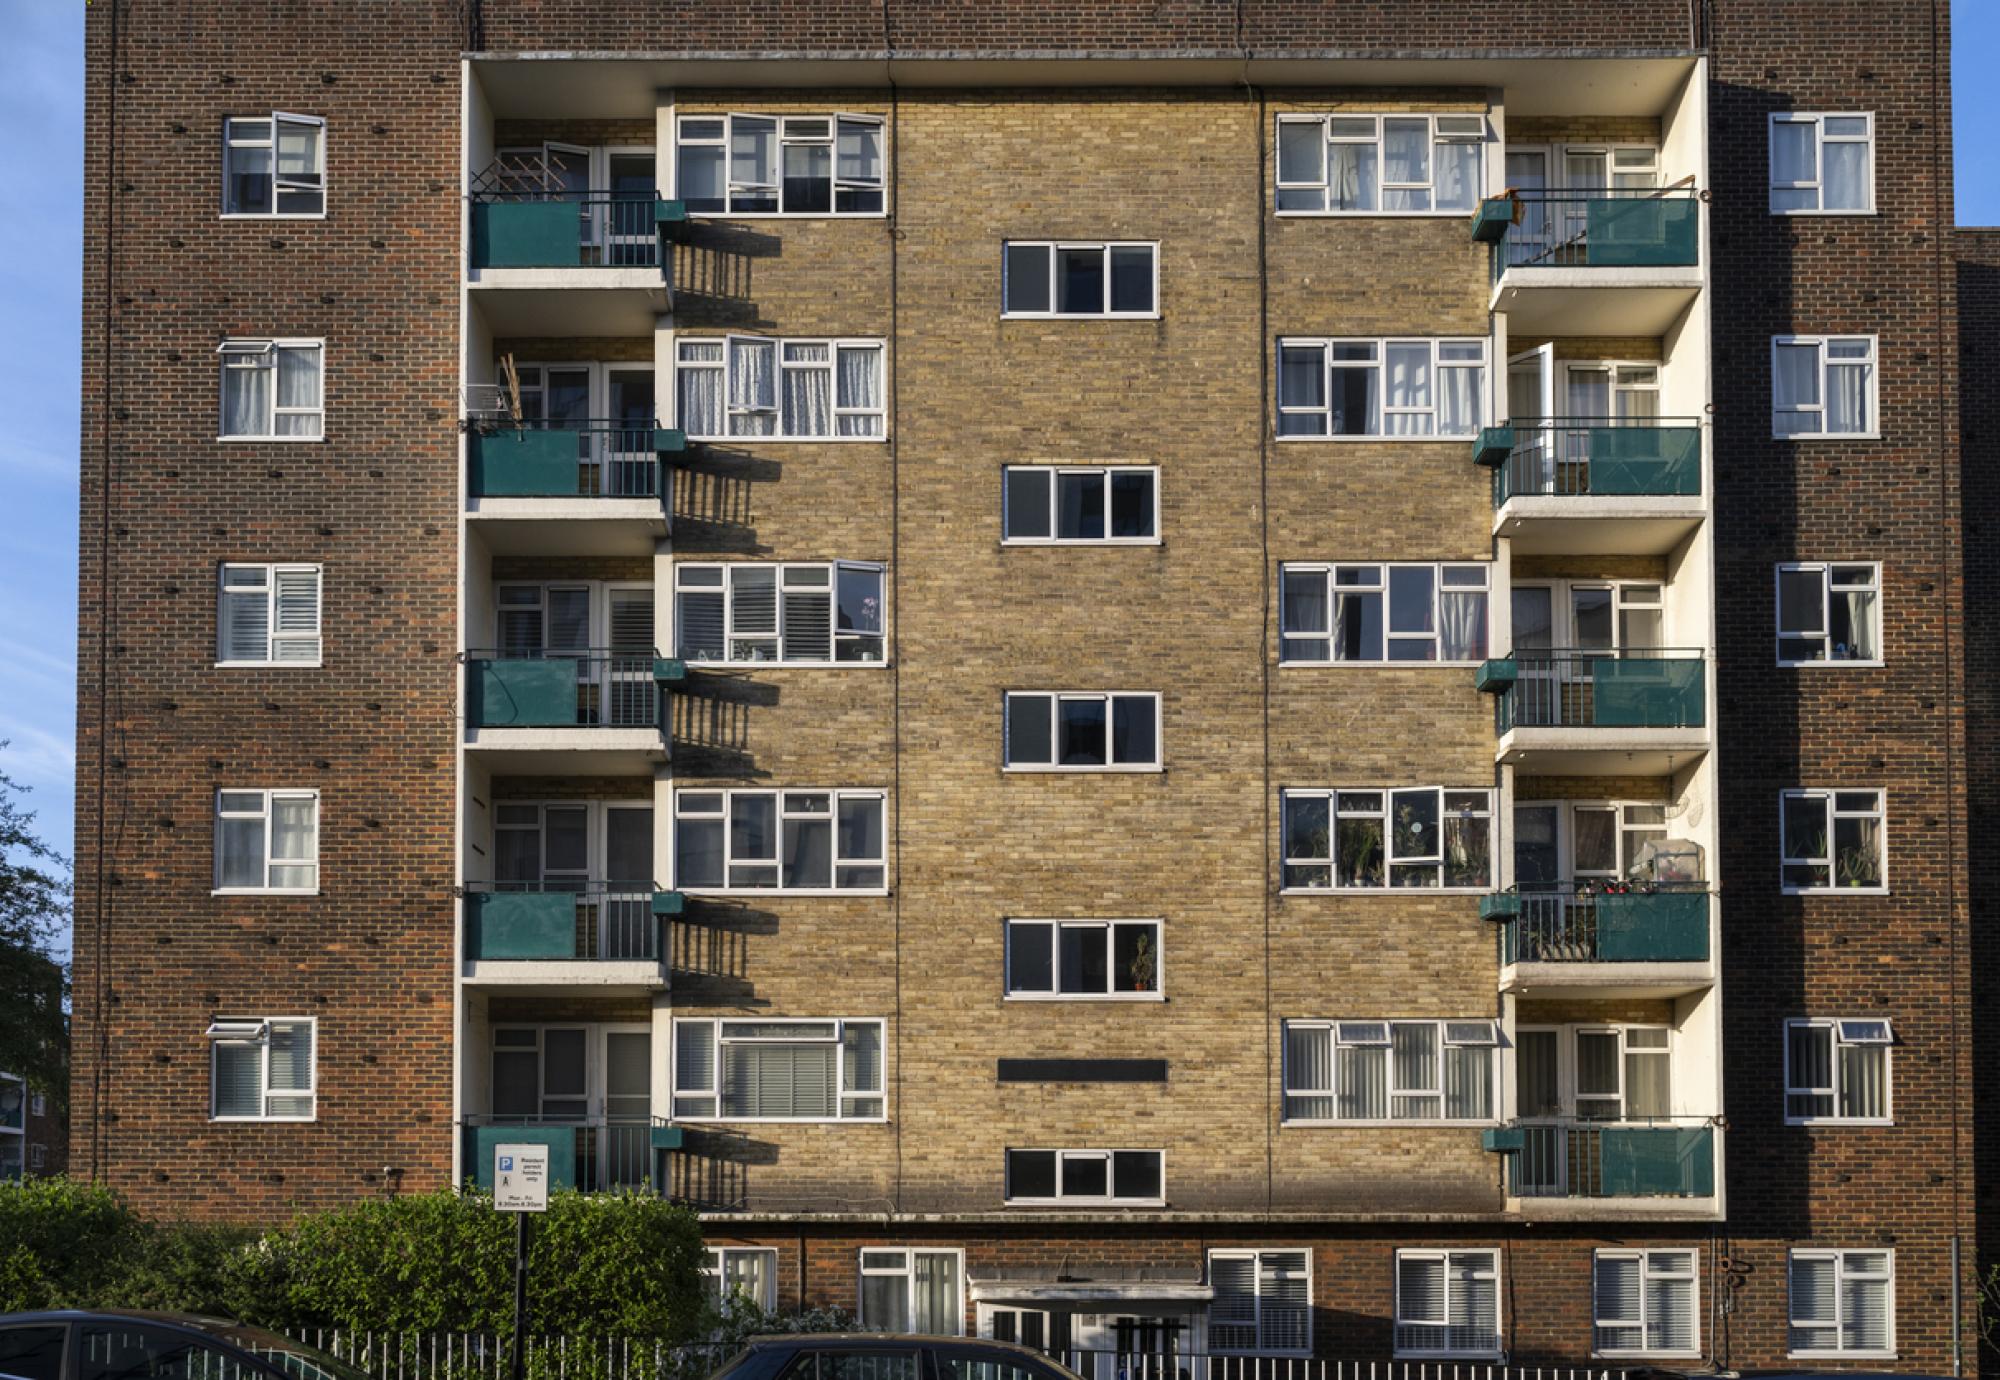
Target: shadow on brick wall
{"x": 711, "y": 508}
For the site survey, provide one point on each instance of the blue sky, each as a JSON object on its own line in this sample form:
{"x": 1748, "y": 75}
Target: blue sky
{"x": 41, "y": 200}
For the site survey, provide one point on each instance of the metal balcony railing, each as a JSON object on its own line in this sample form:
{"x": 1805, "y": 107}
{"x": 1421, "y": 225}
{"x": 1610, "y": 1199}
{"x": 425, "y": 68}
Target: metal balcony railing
{"x": 1608, "y": 922}
{"x": 563, "y": 920}
{"x": 569, "y": 688}
{"x": 1635, "y": 227}
{"x": 615, "y": 458}
{"x": 1559, "y": 687}
{"x": 515, "y": 227}
{"x": 596, "y": 1154}
{"x": 1606, "y": 457}
{"x": 1665, "y": 1158}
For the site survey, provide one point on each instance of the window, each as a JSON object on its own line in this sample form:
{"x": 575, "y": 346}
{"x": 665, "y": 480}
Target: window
{"x": 1338, "y": 1071}
{"x": 1262, "y": 1303}
{"x": 1822, "y": 164}
{"x": 274, "y": 165}
{"x": 770, "y": 165}
{"x": 1621, "y": 1073}
{"x": 1829, "y": 612}
{"x": 744, "y": 614}
{"x": 1058, "y": 278}
{"x": 811, "y": 840}
{"x": 1082, "y": 960}
{"x": 271, "y": 390}
{"x": 1837, "y": 1071}
{"x": 781, "y": 390}
{"x": 261, "y": 1068}
{"x": 1381, "y": 387}
{"x": 13, "y": 1103}
{"x": 1051, "y": 505}
{"x": 269, "y": 616}
{"x": 1447, "y": 1303}
{"x": 778, "y": 1070}
{"x": 746, "y": 1272}
{"x": 1380, "y": 613}
{"x": 1833, "y": 841}
{"x": 33, "y": 1352}
{"x": 118, "y": 1348}
{"x": 1823, "y": 386}
{"x": 1082, "y": 732}
{"x": 267, "y": 841}
{"x": 1028, "y": 1327}
{"x": 1082, "y": 1177}
{"x": 1843, "y": 1303}
{"x": 38, "y": 1104}
{"x": 1367, "y": 839}
{"x": 1380, "y": 164}
{"x": 1643, "y": 1304}
{"x": 913, "y": 1291}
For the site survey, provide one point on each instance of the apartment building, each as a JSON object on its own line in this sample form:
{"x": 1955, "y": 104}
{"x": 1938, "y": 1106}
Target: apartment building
{"x": 1217, "y": 680}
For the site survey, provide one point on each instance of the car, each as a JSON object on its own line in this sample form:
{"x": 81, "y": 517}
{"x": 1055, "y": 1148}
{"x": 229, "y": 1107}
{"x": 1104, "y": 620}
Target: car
{"x": 117, "y": 1344}
{"x": 887, "y": 1356}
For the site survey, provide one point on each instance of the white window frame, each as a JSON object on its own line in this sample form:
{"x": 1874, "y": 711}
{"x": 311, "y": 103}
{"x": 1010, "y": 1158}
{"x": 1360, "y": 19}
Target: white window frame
{"x": 1381, "y": 345}
{"x": 1872, "y": 361}
{"x": 1064, "y": 1154}
{"x": 1648, "y": 1274}
{"x": 270, "y": 141}
{"x": 907, "y": 1271}
{"x": 1055, "y": 474}
{"x": 1828, "y": 589}
{"x": 1398, "y": 1321}
{"x": 1841, "y": 1274}
{"x": 1360, "y": 1031}
{"x": 716, "y": 1277}
{"x": 1842, "y": 1030}
{"x": 1817, "y": 120}
{"x": 1880, "y": 814}
{"x": 246, "y": 1030}
{"x": 245, "y": 347}
{"x": 779, "y": 344}
{"x": 1332, "y": 794}
{"x": 834, "y": 119}
{"x": 1256, "y": 1259}
{"x": 1056, "y": 927}
{"x": 1383, "y": 186}
{"x": 270, "y": 571}
{"x": 1104, "y": 248}
{"x": 1056, "y": 699}
{"x": 1330, "y": 571}
{"x": 835, "y": 636}
{"x": 729, "y": 793}
{"x": 268, "y": 795}
{"x": 842, "y": 1093}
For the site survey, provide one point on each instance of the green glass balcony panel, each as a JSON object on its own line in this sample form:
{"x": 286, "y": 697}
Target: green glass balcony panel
{"x": 671, "y": 217}
{"x": 1664, "y": 927}
{"x": 1501, "y": 905}
{"x": 528, "y": 463}
{"x": 1657, "y": 1162}
{"x": 1494, "y": 445}
{"x": 668, "y": 1137}
{"x": 669, "y": 903}
{"x": 481, "y": 1140}
{"x": 526, "y": 234}
{"x": 1653, "y": 461}
{"x": 520, "y": 925}
{"x": 1645, "y": 692}
{"x": 1504, "y": 1139}
{"x": 669, "y": 670}
{"x": 526, "y": 693}
{"x": 1649, "y": 232}
{"x": 669, "y": 440}
{"x": 1495, "y": 676}
{"x": 1490, "y": 221}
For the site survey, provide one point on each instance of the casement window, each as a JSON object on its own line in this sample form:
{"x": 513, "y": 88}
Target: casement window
{"x": 1837, "y": 1071}
{"x": 1621, "y": 1073}
{"x": 913, "y": 1291}
{"x": 1382, "y": 613}
{"x": 1262, "y": 1303}
{"x": 1028, "y": 1327}
{"x": 778, "y": 1070}
{"x": 783, "y": 841}
{"x": 1834, "y": 841}
{"x": 1370, "y": 838}
{"x": 1843, "y": 1303}
{"x": 1080, "y": 731}
{"x": 267, "y": 841}
{"x": 1084, "y": 960}
{"x": 1083, "y": 1178}
{"x": 1066, "y": 278}
{"x": 1829, "y": 612}
{"x": 1387, "y": 1071}
{"x": 268, "y": 616}
{"x": 261, "y": 1068}
{"x": 1380, "y": 165}
{"x": 1448, "y": 1303}
{"x": 1044, "y": 505}
{"x": 272, "y": 390}
{"x": 1350, "y": 388}
{"x": 274, "y": 166}
{"x": 744, "y": 614}
{"x": 779, "y": 390}
{"x": 1823, "y": 386}
{"x": 780, "y": 165}
{"x": 1822, "y": 164}
{"x": 1644, "y": 1303}
{"x": 749, "y": 1273}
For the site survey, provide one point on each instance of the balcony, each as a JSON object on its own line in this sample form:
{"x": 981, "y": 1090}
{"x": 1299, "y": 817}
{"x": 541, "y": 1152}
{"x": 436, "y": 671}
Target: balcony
{"x": 570, "y": 262}
{"x": 569, "y": 488}
{"x": 573, "y": 711}
{"x": 1602, "y": 262}
{"x": 595, "y": 1154}
{"x": 1582, "y": 1166}
{"x": 1597, "y": 711}
{"x": 1557, "y": 482}
{"x": 564, "y": 934}
{"x": 1602, "y": 939}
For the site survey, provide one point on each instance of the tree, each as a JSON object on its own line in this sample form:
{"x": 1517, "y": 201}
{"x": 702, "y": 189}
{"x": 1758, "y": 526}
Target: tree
{"x": 34, "y": 903}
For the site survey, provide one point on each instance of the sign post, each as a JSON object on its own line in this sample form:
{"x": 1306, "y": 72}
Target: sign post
{"x": 520, "y": 1186}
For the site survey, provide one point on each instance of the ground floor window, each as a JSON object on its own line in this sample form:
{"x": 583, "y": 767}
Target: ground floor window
{"x": 913, "y": 1291}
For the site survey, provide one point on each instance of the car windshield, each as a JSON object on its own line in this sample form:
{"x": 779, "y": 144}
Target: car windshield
{"x": 295, "y": 1358}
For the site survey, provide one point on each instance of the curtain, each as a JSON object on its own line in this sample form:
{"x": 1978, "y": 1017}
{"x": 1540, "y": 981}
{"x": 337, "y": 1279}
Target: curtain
{"x": 1864, "y": 1081}
{"x": 1535, "y": 1064}
{"x": 239, "y": 1079}
{"x": 1791, "y": 151}
{"x": 1415, "y": 1047}
{"x": 1617, "y": 1303}
{"x": 1596, "y": 1075}
{"x": 292, "y": 822}
{"x": 1854, "y": 622}
{"x": 1847, "y": 398}
{"x": 1648, "y": 1084}
{"x": 885, "y": 1305}
{"x": 1363, "y": 1074}
{"x": 1468, "y": 1083}
{"x": 1406, "y": 157}
{"x": 1844, "y": 184}
{"x": 936, "y": 1288}
{"x": 1458, "y": 400}
{"x": 700, "y": 393}
{"x": 1308, "y": 1070}
{"x": 860, "y": 385}
{"x": 1352, "y": 177}
{"x": 1462, "y": 625}
{"x": 1795, "y": 385}
{"x": 861, "y": 1058}
{"x": 298, "y": 386}
{"x": 1458, "y": 180}
{"x": 246, "y": 398}
{"x": 1409, "y": 371}
{"x": 808, "y": 393}
{"x": 753, "y": 387}
{"x": 1304, "y": 602}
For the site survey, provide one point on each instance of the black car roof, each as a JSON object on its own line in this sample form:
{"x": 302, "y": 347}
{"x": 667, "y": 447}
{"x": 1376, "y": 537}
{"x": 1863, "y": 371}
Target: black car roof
{"x": 197, "y": 1321}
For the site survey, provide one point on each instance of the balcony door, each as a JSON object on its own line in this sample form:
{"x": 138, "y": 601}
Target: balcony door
{"x": 626, "y": 926}
{"x": 624, "y": 1150}
{"x": 629, "y": 461}
{"x": 1531, "y": 408}
{"x": 597, "y": 1078}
